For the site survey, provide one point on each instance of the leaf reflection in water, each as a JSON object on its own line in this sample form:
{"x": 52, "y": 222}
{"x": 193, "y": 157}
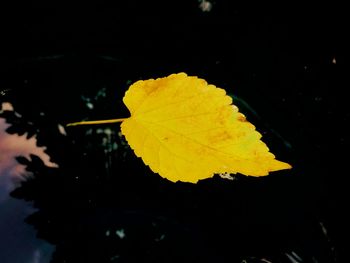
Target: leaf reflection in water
{"x": 16, "y": 235}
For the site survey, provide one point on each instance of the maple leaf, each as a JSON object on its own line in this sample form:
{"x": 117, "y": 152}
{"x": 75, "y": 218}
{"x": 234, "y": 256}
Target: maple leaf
{"x": 185, "y": 129}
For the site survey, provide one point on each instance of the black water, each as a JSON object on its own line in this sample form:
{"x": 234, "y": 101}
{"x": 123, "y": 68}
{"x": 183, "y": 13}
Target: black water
{"x": 285, "y": 70}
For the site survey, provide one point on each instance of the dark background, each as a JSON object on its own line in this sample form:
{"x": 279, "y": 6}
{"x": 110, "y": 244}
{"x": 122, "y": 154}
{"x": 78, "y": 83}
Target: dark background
{"x": 284, "y": 63}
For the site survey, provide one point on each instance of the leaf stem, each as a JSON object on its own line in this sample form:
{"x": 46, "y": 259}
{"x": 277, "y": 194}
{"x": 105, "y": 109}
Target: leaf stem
{"x": 96, "y": 122}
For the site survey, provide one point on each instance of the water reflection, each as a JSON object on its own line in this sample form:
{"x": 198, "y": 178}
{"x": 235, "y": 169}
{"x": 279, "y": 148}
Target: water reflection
{"x": 18, "y": 239}
{"x": 105, "y": 205}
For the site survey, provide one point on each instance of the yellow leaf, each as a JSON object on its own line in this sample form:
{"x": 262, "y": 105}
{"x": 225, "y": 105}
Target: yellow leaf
{"x": 187, "y": 130}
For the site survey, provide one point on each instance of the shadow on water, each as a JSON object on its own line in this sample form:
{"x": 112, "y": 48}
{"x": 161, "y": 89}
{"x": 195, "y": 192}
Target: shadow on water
{"x": 15, "y": 235}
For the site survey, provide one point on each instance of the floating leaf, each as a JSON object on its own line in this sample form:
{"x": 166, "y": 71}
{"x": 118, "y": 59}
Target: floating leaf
{"x": 187, "y": 130}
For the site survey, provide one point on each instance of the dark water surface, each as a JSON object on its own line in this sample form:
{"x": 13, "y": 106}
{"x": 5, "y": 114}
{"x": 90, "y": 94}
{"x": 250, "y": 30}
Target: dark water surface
{"x": 89, "y": 199}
